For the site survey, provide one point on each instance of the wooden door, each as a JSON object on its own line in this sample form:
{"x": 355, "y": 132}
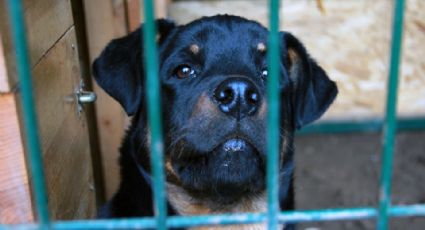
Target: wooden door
{"x": 67, "y": 136}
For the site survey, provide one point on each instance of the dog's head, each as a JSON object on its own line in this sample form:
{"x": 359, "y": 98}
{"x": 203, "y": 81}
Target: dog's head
{"x": 213, "y": 75}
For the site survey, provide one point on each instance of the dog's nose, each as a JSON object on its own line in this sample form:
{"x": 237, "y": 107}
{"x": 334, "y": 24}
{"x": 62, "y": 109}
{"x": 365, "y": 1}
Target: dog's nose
{"x": 237, "y": 97}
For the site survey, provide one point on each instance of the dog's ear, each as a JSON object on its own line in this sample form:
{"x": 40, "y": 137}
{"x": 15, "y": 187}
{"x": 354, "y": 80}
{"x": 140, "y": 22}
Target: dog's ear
{"x": 119, "y": 68}
{"x": 313, "y": 91}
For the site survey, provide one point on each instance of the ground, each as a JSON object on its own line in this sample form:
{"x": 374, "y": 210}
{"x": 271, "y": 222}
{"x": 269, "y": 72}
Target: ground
{"x": 335, "y": 171}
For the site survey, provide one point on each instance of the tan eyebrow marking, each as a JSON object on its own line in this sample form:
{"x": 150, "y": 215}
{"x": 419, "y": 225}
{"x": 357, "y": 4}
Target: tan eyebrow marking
{"x": 293, "y": 56}
{"x": 261, "y": 47}
{"x": 194, "y": 48}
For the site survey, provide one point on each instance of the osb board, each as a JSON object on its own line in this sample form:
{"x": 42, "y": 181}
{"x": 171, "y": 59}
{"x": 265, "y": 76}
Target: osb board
{"x": 350, "y": 40}
{"x": 106, "y": 20}
{"x": 15, "y": 200}
{"x": 46, "y": 21}
{"x": 63, "y": 133}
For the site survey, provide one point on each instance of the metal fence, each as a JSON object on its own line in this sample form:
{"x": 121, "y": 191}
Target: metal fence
{"x": 273, "y": 216}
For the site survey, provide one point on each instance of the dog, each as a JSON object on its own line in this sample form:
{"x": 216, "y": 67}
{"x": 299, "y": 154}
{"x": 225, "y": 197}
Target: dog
{"x": 213, "y": 76}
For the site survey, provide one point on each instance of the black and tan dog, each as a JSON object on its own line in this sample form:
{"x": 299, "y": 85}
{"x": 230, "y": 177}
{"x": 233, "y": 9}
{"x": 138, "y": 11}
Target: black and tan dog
{"x": 213, "y": 76}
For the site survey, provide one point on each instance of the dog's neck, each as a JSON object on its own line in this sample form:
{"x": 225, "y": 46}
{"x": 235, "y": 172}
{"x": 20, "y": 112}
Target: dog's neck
{"x": 185, "y": 204}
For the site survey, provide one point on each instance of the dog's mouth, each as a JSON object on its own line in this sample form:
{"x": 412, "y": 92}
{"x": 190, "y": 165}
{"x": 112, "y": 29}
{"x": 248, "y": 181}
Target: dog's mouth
{"x": 235, "y": 146}
{"x": 233, "y": 168}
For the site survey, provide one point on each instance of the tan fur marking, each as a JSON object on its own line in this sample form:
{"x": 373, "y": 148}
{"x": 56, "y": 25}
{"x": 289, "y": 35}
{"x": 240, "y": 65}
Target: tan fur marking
{"x": 169, "y": 168}
{"x": 187, "y": 205}
{"x": 261, "y": 47}
{"x": 293, "y": 56}
{"x": 194, "y": 49}
{"x": 294, "y": 67}
{"x": 204, "y": 106}
{"x": 183, "y": 203}
{"x": 263, "y": 110}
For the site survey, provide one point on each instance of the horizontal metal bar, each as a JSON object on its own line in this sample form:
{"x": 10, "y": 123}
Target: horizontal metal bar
{"x": 370, "y": 125}
{"x": 243, "y": 218}
{"x": 328, "y": 215}
{"x": 407, "y": 210}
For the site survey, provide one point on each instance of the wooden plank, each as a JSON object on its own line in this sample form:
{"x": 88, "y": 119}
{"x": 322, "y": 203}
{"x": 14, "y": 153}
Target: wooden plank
{"x": 68, "y": 172}
{"x": 161, "y": 8}
{"x": 133, "y": 14}
{"x": 119, "y": 17}
{"x": 8, "y": 51}
{"x": 46, "y": 20}
{"x": 63, "y": 133}
{"x": 15, "y": 202}
{"x": 4, "y": 82}
{"x": 102, "y": 20}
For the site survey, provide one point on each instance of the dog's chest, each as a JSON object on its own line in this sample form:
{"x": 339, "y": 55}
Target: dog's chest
{"x": 186, "y": 205}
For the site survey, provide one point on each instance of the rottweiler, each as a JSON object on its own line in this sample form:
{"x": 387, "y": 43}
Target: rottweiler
{"x": 213, "y": 76}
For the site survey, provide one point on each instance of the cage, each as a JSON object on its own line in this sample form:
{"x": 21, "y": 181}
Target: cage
{"x": 71, "y": 146}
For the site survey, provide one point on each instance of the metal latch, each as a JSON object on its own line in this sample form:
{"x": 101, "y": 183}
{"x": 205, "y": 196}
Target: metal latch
{"x": 83, "y": 97}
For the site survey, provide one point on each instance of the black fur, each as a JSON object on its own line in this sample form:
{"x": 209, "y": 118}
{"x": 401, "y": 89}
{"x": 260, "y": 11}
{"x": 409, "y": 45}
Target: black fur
{"x": 197, "y": 137}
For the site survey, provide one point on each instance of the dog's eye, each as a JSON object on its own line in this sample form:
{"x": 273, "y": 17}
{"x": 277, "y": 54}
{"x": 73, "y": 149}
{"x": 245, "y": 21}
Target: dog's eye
{"x": 185, "y": 71}
{"x": 264, "y": 73}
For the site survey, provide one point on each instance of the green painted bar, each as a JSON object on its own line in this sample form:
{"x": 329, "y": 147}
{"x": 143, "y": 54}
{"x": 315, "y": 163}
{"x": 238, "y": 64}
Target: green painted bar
{"x": 273, "y": 60}
{"x": 353, "y": 126}
{"x": 389, "y": 128}
{"x": 373, "y": 125}
{"x": 407, "y": 210}
{"x": 154, "y": 113}
{"x": 28, "y": 108}
{"x": 411, "y": 124}
{"x": 185, "y": 221}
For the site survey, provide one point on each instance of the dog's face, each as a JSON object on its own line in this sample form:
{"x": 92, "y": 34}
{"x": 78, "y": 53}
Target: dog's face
{"x": 213, "y": 75}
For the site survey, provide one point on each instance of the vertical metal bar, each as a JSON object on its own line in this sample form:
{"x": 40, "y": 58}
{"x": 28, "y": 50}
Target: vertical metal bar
{"x": 28, "y": 108}
{"x": 154, "y": 113}
{"x": 273, "y": 58}
{"x": 390, "y": 119}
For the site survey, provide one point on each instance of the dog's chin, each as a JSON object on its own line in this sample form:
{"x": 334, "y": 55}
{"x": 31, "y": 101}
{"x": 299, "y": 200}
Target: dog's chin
{"x": 232, "y": 170}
